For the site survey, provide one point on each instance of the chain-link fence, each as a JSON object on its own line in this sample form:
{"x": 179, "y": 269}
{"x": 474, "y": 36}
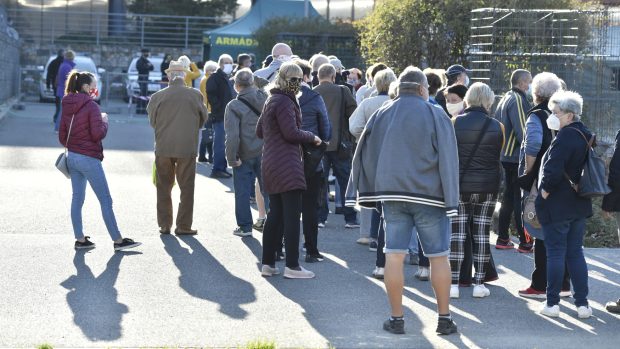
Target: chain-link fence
{"x": 345, "y": 47}
{"x": 9, "y": 59}
{"x": 581, "y": 47}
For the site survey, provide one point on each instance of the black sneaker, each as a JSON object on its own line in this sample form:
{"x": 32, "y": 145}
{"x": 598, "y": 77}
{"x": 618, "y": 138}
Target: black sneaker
{"x": 446, "y": 326}
{"x": 314, "y": 258}
{"x": 394, "y": 326}
{"x": 126, "y": 244}
{"x": 87, "y": 244}
{"x": 372, "y": 247}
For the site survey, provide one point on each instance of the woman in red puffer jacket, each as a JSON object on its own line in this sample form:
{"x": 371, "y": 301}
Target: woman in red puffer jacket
{"x": 82, "y": 127}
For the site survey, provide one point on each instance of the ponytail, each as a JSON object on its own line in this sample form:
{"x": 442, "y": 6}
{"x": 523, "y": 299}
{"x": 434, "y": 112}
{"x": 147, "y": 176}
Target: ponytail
{"x": 76, "y": 80}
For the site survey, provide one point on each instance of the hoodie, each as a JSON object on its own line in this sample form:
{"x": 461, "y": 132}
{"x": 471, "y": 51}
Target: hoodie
{"x": 88, "y": 128}
{"x": 61, "y": 78}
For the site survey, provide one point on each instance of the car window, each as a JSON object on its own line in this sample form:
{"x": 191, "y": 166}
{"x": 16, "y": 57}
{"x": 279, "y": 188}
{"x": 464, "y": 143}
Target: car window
{"x": 85, "y": 64}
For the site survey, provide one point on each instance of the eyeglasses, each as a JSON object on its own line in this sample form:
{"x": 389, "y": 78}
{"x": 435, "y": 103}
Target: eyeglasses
{"x": 295, "y": 79}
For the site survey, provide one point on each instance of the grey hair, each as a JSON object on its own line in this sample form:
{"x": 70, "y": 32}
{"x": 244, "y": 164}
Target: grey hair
{"x": 545, "y": 85}
{"x": 383, "y": 79}
{"x": 411, "y": 79}
{"x": 567, "y": 102}
{"x": 175, "y": 74}
{"x": 326, "y": 71}
{"x": 244, "y": 78}
{"x": 223, "y": 57}
{"x": 480, "y": 95}
{"x": 210, "y": 67}
{"x": 517, "y": 76}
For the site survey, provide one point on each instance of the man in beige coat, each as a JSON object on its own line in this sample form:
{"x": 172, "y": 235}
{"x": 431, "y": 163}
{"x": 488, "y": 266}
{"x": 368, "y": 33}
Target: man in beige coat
{"x": 176, "y": 113}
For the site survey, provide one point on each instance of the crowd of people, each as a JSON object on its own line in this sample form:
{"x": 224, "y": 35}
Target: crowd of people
{"x": 422, "y": 155}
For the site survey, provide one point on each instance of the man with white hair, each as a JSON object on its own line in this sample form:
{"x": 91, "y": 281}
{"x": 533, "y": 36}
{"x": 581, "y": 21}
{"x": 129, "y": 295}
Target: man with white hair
{"x": 177, "y": 113}
{"x": 243, "y": 148}
{"x": 405, "y": 162}
{"x": 281, "y": 53}
{"x": 219, "y": 93}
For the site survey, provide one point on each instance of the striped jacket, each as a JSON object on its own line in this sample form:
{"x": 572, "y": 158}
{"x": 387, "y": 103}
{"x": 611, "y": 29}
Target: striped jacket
{"x": 512, "y": 112}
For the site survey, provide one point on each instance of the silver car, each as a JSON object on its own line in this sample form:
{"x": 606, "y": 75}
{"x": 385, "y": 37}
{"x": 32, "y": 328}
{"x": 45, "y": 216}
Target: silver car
{"x": 82, "y": 63}
{"x": 133, "y": 89}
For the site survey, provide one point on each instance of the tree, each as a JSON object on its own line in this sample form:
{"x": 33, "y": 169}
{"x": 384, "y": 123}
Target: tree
{"x": 428, "y": 33}
{"x": 206, "y": 8}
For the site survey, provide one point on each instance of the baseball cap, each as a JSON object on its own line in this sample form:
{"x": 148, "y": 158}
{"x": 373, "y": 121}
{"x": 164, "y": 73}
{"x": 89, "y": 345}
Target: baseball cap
{"x": 457, "y": 69}
{"x": 336, "y": 63}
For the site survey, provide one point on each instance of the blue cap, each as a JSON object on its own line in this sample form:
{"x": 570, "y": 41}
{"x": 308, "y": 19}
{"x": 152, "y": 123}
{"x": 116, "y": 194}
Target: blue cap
{"x": 456, "y": 69}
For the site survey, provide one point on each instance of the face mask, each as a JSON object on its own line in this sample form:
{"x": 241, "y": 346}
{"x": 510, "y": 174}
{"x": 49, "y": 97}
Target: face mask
{"x": 284, "y": 58}
{"x": 553, "y": 122}
{"x": 94, "y": 92}
{"x": 292, "y": 86}
{"x": 228, "y": 68}
{"x": 352, "y": 82}
{"x": 454, "y": 108}
{"x": 466, "y": 80}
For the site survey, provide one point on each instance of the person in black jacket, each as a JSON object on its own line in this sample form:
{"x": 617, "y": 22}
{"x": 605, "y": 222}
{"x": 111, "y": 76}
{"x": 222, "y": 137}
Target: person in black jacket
{"x": 165, "y": 64}
{"x": 144, "y": 67}
{"x": 480, "y": 139}
{"x": 50, "y": 79}
{"x": 457, "y": 75}
{"x": 611, "y": 203}
{"x": 562, "y": 212}
{"x": 219, "y": 93}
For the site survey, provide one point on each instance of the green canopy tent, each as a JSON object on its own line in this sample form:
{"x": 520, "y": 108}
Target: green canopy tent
{"x": 237, "y": 37}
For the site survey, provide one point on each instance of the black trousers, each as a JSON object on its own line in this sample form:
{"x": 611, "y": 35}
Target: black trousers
{"x": 141, "y": 103}
{"x": 310, "y": 217}
{"x": 539, "y": 275}
{"x": 57, "y": 101}
{"x": 284, "y": 214}
{"x": 511, "y": 203}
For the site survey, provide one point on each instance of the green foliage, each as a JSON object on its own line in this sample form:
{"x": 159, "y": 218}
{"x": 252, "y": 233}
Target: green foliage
{"x": 601, "y": 231}
{"x": 260, "y": 344}
{"x": 45, "y": 346}
{"x": 211, "y": 8}
{"x": 429, "y": 33}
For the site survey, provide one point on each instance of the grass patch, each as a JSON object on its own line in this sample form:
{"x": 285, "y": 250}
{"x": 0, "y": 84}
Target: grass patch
{"x": 45, "y": 346}
{"x": 259, "y": 344}
{"x": 600, "y": 230}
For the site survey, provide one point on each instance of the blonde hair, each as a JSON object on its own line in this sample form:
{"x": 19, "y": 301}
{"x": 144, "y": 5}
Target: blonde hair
{"x": 70, "y": 55}
{"x": 383, "y": 79}
{"x": 480, "y": 95}
{"x": 287, "y": 70}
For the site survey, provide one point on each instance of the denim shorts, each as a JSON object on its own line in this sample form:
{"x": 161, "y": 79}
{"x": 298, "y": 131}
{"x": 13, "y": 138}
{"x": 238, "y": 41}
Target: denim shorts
{"x": 432, "y": 223}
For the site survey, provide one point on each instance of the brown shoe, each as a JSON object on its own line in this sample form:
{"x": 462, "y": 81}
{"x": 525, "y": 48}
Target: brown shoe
{"x": 186, "y": 232}
{"x": 164, "y": 231}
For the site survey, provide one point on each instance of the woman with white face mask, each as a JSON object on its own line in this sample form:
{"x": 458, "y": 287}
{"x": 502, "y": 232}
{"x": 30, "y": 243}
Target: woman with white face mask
{"x": 455, "y": 95}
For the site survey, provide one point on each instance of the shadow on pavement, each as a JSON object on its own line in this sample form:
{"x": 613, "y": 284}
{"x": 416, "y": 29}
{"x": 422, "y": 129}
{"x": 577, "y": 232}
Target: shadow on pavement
{"x": 204, "y": 277}
{"x": 93, "y": 300}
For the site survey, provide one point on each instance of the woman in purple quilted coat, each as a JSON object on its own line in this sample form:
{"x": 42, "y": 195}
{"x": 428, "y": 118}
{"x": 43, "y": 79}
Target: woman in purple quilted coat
{"x": 283, "y": 171}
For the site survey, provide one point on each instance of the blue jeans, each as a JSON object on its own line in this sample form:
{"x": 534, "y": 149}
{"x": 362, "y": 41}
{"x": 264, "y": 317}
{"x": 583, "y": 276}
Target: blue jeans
{"x": 431, "y": 222}
{"x": 88, "y": 169}
{"x": 219, "y": 147}
{"x": 243, "y": 178}
{"x": 342, "y": 170}
{"x": 564, "y": 243}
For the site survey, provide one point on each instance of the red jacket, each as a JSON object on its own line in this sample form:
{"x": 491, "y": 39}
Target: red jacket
{"x": 280, "y": 127}
{"x": 88, "y": 128}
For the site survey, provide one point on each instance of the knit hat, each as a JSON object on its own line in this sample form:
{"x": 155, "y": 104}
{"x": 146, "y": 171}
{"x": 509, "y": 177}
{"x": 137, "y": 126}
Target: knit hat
{"x": 459, "y": 90}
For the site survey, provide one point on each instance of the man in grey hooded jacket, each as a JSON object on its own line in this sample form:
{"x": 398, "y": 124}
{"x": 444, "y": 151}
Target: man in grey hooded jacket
{"x": 407, "y": 160}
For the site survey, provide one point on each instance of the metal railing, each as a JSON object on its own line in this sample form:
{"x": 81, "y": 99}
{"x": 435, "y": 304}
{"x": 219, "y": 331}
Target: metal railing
{"x": 81, "y": 27}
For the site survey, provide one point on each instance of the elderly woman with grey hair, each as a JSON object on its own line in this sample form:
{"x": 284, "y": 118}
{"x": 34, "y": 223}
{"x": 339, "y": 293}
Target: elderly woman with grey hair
{"x": 562, "y": 212}
{"x": 536, "y": 141}
{"x": 479, "y": 138}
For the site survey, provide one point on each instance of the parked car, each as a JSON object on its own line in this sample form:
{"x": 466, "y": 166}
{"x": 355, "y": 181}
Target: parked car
{"x": 82, "y": 63}
{"x": 133, "y": 89}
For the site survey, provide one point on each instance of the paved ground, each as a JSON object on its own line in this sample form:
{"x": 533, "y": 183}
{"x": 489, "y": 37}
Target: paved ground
{"x": 207, "y": 290}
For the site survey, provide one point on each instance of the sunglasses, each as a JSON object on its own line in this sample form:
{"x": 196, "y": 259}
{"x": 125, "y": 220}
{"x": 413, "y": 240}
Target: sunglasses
{"x": 295, "y": 79}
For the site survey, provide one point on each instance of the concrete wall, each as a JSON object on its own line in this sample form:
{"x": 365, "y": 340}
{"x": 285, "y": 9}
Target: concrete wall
{"x": 9, "y": 59}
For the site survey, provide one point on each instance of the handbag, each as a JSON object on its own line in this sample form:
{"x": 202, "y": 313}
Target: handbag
{"x": 312, "y": 154}
{"x": 346, "y": 144}
{"x": 593, "y": 182}
{"x": 529, "y": 207}
{"x": 61, "y": 161}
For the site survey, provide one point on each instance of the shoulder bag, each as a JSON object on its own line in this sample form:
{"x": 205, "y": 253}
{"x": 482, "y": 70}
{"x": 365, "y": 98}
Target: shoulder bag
{"x": 593, "y": 182}
{"x": 61, "y": 162}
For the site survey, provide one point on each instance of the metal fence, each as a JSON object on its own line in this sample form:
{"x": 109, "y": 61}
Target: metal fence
{"x": 345, "y": 47}
{"x": 80, "y": 27}
{"x": 9, "y": 60}
{"x": 581, "y": 47}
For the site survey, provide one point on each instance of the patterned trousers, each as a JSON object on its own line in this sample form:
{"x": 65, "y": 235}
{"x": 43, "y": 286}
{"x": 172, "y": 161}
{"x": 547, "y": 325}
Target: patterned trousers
{"x": 474, "y": 218}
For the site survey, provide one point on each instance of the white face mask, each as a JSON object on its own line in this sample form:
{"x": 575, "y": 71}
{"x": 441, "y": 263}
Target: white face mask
{"x": 466, "y": 80}
{"x": 454, "y": 108}
{"x": 553, "y": 122}
{"x": 228, "y": 68}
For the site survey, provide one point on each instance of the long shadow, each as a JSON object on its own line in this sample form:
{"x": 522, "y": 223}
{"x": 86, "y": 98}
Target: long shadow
{"x": 205, "y": 171}
{"x": 204, "y": 277}
{"x": 93, "y": 300}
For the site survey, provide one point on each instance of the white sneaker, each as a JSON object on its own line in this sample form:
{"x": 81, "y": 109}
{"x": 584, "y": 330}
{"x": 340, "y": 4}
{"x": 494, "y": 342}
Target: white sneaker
{"x": 565, "y": 294}
{"x": 268, "y": 271}
{"x": 480, "y": 291}
{"x": 321, "y": 225}
{"x": 364, "y": 241}
{"x": 454, "y": 291}
{"x": 553, "y": 311}
{"x": 378, "y": 273}
{"x": 423, "y": 274}
{"x": 240, "y": 232}
{"x": 298, "y": 274}
{"x": 584, "y": 312}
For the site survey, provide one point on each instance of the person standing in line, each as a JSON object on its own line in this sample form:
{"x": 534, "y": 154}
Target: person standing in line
{"x": 165, "y": 64}
{"x": 456, "y": 75}
{"x": 176, "y": 113}
{"x": 50, "y": 81}
{"x": 314, "y": 119}
{"x": 205, "y": 151}
{"x": 82, "y": 128}
{"x": 219, "y": 93}
{"x": 243, "y": 148}
{"x": 191, "y": 70}
{"x": 244, "y": 60}
{"x": 280, "y": 53}
{"x": 283, "y": 171}
{"x": 316, "y": 61}
{"x": 511, "y": 112}
{"x": 144, "y": 68}
{"x": 340, "y": 106}
{"x": 422, "y": 191}
{"x": 65, "y": 68}
{"x": 479, "y": 139}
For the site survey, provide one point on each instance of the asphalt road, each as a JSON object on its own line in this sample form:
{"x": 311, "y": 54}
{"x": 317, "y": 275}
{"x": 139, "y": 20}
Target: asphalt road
{"x": 207, "y": 290}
